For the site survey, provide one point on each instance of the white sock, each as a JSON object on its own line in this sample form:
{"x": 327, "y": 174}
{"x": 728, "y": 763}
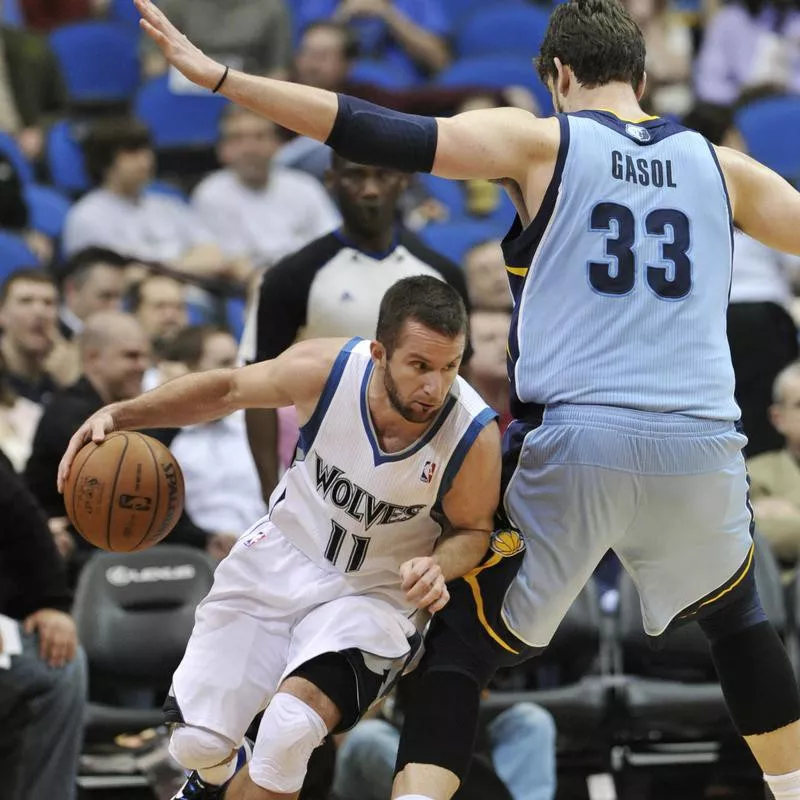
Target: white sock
{"x": 785, "y": 787}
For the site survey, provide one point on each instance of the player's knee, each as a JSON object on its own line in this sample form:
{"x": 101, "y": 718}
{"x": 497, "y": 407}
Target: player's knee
{"x": 738, "y": 615}
{"x": 289, "y": 732}
{"x": 199, "y": 748}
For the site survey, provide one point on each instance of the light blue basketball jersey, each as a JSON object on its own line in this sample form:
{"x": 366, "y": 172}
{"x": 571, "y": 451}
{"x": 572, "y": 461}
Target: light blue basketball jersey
{"x": 621, "y": 281}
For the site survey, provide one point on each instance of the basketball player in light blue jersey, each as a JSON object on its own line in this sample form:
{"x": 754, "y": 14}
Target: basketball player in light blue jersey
{"x": 622, "y": 385}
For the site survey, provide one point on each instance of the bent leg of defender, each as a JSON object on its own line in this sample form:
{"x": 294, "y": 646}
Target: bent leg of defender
{"x": 693, "y": 558}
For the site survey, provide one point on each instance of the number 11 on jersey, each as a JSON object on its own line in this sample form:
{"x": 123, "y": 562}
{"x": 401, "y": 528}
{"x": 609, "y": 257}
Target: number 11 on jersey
{"x": 358, "y": 552}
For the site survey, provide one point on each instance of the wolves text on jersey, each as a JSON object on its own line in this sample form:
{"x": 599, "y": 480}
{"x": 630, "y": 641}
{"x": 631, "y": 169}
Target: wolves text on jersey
{"x": 356, "y": 502}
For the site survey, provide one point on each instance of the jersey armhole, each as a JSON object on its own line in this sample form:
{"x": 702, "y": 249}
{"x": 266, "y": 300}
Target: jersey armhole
{"x": 308, "y": 432}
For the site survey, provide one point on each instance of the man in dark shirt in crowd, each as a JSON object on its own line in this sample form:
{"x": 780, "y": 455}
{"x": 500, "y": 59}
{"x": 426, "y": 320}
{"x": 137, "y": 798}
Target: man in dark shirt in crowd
{"x": 29, "y": 322}
{"x": 114, "y": 354}
{"x": 43, "y": 687}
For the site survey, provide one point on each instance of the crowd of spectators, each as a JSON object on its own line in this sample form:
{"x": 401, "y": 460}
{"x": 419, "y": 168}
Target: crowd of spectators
{"x": 142, "y": 267}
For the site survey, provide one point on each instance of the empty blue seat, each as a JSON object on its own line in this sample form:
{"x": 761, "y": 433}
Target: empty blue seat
{"x": 124, "y": 12}
{"x": 770, "y": 130}
{"x": 235, "y": 308}
{"x": 179, "y": 120}
{"x": 506, "y": 29}
{"x": 47, "y": 209}
{"x": 453, "y": 195}
{"x": 496, "y": 73}
{"x": 13, "y": 152}
{"x": 14, "y": 254}
{"x": 455, "y": 239}
{"x": 65, "y": 159}
{"x": 99, "y": 61}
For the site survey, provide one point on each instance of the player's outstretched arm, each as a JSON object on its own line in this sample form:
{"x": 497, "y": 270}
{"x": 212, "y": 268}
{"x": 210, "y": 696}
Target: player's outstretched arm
{"x": 765, "y": 206}
{"x": 497, "y": 143}
{"x": 296, "y": 377}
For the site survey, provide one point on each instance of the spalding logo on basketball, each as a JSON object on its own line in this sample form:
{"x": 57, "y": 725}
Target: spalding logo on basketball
{"x": 507, "y": 543}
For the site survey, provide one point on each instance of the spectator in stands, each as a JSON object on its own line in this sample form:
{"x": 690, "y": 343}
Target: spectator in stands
{"x": 159, "y": 304}
{"x": 409, "y": 34}
{"x": 761, "y": 332}
{"x": 487, "y": 369}
{"x": 228, "y": 500}
{"x": 18, "y": 420}
{"x": 749, "y": 44}
{"x": 486, "y": 276}
{"x": 324, "y": 56}
{"x": 775, "y": 477}
{"x": 15, "y": 214}
{"x": 114, "y": 355}
{"x": 43, "y": 682}
{"x": 334, "y": 286}
{"x": 31, "y": 88}
{"x": 257, "y": 211}
{"x": 43, "y": 16}
{"x": 251, "y": 35}
{"x": 122, "y": 216}
{"x": 668, "y": 40}
{"x": 92, "y": 280}
{"x": 29, "y": 320}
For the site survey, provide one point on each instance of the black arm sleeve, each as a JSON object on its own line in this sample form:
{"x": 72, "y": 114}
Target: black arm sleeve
{"x": 370, "y": 134}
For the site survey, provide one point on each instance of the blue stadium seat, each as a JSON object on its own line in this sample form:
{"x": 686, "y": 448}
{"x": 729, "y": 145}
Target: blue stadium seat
{"x": 12, "y": 14}
{"x": 65, "y": 158}
{"x": 380, "y": 73}
{"x": 14, "y": 254}
{"x": 769, "y": 128}
{"x": 48, "y": 209}
{"x": 498, "y": 72}
{"x": 453, "y": 195}
{"x": 512, "y": 29}
{"x": 12, "y": 151}
{"x": 179, "y": 120}
{"x": 454, "y": 239}
{"x": 99, "y": 61}
{"x": 458, "y": 11}
{"x": 235, "y": 308}
{"x": 124, "y": 12}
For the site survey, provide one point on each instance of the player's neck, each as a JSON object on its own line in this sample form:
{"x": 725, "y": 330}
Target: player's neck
{"x": 393, "y": 431}
{"x": 618, "y": 98}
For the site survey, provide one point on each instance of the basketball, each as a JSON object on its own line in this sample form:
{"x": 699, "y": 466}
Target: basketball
{"x": 125, "y": 493}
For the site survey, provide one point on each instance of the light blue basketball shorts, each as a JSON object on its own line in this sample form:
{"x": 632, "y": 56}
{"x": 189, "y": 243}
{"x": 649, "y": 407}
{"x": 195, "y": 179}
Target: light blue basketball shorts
{"x": 666, "y": 492}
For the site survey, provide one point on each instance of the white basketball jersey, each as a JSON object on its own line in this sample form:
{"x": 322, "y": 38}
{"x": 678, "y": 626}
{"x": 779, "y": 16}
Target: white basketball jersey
{"x": 353, "y": 508}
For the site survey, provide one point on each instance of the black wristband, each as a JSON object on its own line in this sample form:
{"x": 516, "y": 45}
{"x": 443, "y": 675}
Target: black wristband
{"x": 221, "y": 80}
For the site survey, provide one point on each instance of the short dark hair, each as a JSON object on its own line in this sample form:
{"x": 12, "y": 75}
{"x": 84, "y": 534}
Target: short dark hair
{"x": 134, "y": 295}
{"x": 29, "y": 274}
{"x": 597, "y": 39}
{"x": 78, "y": 266}
{"x": 350, "y": 46}
{"x": 712, "y": 121}
{"x": 107, "y": 138}
{"x": 187, "y": 345}
{"x": 425, "y": 299}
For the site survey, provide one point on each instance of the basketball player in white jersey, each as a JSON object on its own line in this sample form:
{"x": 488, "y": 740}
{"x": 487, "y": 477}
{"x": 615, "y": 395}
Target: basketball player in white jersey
{"x": 621, "y": 378}
{"x": 317, "y": 610}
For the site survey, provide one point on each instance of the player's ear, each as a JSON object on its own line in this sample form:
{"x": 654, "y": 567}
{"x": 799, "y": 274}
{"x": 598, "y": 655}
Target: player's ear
{"x": 641, "y": 87}
{"x": 378, "y": 353}
{"x": 563, "y": 78}
{"x": 776, "y": 417}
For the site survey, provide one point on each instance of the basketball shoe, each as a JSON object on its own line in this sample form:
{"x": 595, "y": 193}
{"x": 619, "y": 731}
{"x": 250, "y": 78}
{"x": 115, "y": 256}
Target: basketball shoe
{"x": 196, "y": 789}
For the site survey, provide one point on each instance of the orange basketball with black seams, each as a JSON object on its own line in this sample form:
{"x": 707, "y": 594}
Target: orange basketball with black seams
{"x": 125, "y": 493}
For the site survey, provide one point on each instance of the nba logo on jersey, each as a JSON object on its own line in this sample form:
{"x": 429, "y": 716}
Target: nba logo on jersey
{"x": 635, "y": 132}
{"x": 428, "y": 471}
